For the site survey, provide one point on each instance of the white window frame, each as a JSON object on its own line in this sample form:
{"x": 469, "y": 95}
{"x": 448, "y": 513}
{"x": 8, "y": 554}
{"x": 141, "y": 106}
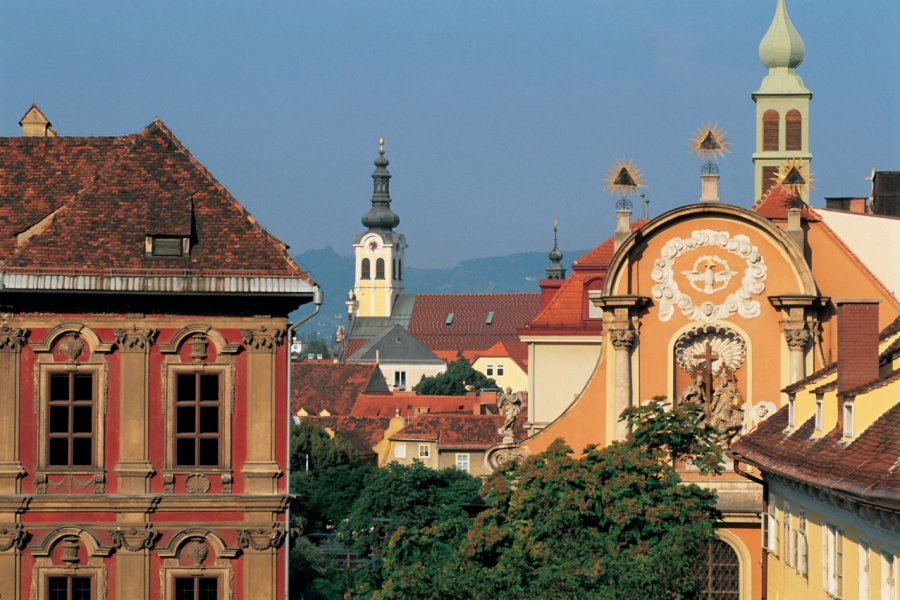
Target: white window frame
{"x": 848, "y": 419}
{"x": 791, "y": 407}
{"x": 888, "y": 587}
{"x": 399, "y": 380}
{"x": 462, "y": 463}
{"x": 400, "y": 450}
{"x": 788, "y": 537}
{"x": 489, "y": 370}
{"x": 770, "y": 531}
{"x": 863, "y": 569}
{"x": 499, "y": 370}
{"x": 424, "y": 451}
{"x": 819, "y": 401}
{"x": 832, "y": 561}
{"x": 802, "y": 547}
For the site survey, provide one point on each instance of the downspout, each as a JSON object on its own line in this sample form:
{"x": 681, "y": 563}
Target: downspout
{"x": 765, "y": 511}
{"x": 318, "y": 299}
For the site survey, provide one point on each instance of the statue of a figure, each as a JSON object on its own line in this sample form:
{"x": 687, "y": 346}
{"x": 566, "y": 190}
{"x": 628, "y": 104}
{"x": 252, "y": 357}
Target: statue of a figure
{"x": 726, "y": 412}
{"x": 510, "y": 406}
{"x": 694, "y": 393}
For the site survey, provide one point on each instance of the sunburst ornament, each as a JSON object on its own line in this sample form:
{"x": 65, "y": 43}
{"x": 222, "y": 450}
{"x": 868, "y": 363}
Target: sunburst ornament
{"x": 794, "y": 176}
{"x": 624, "y": 178}
{"x": 710, "y": 142}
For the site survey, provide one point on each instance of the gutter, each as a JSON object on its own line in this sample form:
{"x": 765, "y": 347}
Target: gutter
{"x": 318, "y": 299}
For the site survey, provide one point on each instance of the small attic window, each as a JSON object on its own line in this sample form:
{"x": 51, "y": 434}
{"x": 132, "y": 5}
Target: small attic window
{"x": 490, "y": 318}
{"x": 449, "y": 320}
{"x": 167, "y": 246}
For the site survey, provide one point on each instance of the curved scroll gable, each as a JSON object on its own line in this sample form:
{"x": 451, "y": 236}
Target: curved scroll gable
{"x": 91, "y": 543}
{"x": 222, "y": 345}
{"x": 186, "y": 535}
{"x": 637, "y": 241}
{"x": 93, "y": 340}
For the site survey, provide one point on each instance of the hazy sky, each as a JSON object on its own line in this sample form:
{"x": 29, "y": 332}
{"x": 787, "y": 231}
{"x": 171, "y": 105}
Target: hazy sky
{"x": 497, "y": 116}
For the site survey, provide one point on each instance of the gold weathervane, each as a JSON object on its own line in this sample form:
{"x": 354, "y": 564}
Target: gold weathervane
{"x": 794, "y": 176}
{"x": 624, "y": 178}
{"x": 380, "y": 144}
{"x": 710, "y": 142}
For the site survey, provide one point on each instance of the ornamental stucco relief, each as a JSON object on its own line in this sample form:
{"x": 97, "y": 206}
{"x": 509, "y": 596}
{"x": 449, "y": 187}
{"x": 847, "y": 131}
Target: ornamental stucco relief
{"x": 705, "y": 279}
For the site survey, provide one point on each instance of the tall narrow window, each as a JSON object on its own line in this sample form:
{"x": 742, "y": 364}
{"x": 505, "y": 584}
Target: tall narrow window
{"x": 768, "y": 178}
{"x": 833, "y": 561}
{"x": 399, "y": 380}
{"x": 770, "y": 530}
{"x": 791, "y": 410}
{"x": 400, "y": 270}
{"x": 68, "y": 587}
{"x": 197, "y": 420}
{"x": 818, "y": 422}
{"x": 770, "y": 130}
{"x": 196, "y": 588}
{"x": 802, "y": 547}
{"x": 70, "y": 429}
{"x": 793, "y": 130}
{"x": 863, "y": 570}
{"x": 848, "y": 419}
{"x": 788, "y": 538}
{"x": 365, "y": 269}
{"x": 379, "y": 268}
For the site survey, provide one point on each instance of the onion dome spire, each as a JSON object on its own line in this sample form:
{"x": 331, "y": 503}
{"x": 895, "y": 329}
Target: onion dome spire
{"x": 781, "y": 51}
{"x": 555, "y": 270}
{"x": 380, "y": 217}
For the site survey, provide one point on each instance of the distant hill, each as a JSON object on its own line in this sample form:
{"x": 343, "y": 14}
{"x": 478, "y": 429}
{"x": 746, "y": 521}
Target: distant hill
{"x": 334, "y": 273}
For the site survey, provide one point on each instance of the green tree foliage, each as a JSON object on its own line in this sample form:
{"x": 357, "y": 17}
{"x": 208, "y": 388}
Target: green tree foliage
{"x": 458, "y": 379}
{"x": 617, "y": 523}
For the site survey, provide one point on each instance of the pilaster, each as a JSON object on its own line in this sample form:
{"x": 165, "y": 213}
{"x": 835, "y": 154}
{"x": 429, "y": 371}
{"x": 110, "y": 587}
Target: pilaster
{"x": 12, "y": 540}
{"x": 799, "y": 314}
{"x": 11, "y": 341}
{"x": 134, "y": 468}
{"x": 133, "y": 546}
{"x": 261, "y": 469}
{"x": 260, "y": 548}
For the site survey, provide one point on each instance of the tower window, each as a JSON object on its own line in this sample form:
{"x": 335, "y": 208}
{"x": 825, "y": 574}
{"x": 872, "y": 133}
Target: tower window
{"x": 770, "y": 130}
{"x": 400, "y": 269}
{"x": 365, "y": 269}
{"x": 793, "y": 137}
{"x": 379, "y": 268}
{"x": 768, "y": 178}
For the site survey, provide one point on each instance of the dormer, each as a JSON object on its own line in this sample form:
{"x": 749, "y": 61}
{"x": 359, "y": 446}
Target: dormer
{"x": 36, "y": 124}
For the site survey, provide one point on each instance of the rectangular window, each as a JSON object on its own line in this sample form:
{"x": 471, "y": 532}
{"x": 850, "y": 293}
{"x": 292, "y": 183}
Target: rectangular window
{"x": 802, "y": 547}
{"x": 489, "y": 371}
{"x": 499, "y": 370}
{"x": 70, "y": 420}
{"x": 848, "y": 419}
{"x": 788, "y": 538}
{"x": 400, "y": 450}
{"x": 168, "y": 246}
{"x": 819, "y": 412}
{"x": 791, "y": 410}
{"x": 888, "y": 577}
{"x": 197, "y": 419}
{"x": 462, "y": 462}
{"x": 399, "y": 380}
{"x": 196, "y": 588}
{"x": 68, "y": 587}
{"x": 770, "y": 530}
{"x": 832, "y": 560}
{"x": 863, "y": 570}
{"x": 424, "y": 451}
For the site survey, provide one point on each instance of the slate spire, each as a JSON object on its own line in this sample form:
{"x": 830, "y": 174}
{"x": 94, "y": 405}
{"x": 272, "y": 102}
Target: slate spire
{"x": 555, "y": 270}
{"x": 380, "y": 217}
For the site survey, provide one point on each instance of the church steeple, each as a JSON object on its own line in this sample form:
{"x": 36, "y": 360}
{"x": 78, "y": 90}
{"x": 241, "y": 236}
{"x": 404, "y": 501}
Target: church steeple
{"x": 555, "y": 270}
{"x": 379, "y": 250}
{"x": 380, "y": 217}
{"x": 782, "y": 103}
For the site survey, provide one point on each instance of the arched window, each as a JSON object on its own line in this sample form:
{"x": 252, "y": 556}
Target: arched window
{"x": 400, "y": 269}
{"x": 793, "y": 130}
{"x": 719, "y": 572}
{"x": 379, "y": 268}
{"x": 770, "y": 130}
{"x": 365, "y": 269}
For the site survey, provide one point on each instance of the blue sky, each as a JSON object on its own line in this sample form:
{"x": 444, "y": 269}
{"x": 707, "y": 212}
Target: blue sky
{"x": 497, "y": 116}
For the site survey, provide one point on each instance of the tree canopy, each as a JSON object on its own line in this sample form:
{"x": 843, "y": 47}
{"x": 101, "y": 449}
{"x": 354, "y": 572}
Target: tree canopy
{"x": 459, "y": 378}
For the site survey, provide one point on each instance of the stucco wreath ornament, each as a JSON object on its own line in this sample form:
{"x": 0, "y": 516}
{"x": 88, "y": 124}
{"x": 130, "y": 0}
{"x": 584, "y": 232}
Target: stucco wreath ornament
{"x": 669, "y": 296}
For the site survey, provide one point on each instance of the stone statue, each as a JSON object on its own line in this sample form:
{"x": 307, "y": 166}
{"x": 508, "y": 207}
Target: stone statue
{"x": 694, "y": 393}
{"x": 726, "y": 412}
{"x": 510, "y": 406}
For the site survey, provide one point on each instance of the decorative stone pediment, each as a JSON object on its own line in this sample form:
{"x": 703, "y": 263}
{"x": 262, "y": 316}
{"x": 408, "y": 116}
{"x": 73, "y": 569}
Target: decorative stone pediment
{"x": 70, "y": 330}
{"x": 261, "y": 538}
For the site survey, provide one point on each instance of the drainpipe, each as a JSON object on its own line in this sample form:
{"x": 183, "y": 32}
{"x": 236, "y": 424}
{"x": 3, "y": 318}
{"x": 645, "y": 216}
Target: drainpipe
{"x": 318, "y": 299}
{"x": 764, "y": 571}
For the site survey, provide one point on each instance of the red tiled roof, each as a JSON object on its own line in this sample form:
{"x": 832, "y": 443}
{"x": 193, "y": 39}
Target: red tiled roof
{"x": 865, "y": 468}
{"x": 469, "y": 329}
{"x": 106, "y": 195}
{"x": 775, "y": 202}
{"x": 362, "y": 432}
{"x": 318, "y": 386}
{"x": 409, "y": 404}
{"x": 565, "y": 311}
{"x": 456, "y": 431}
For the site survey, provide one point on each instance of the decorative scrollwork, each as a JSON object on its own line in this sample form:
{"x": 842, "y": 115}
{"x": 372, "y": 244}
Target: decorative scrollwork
{"x": 11, "y": 339}
{"x": 134, "y": 339}
{"x": 71, "y": 346}
{"x": 621, "y": 339}
{"x": 728, "y": 346}
{"x": 227, "y": 482}
{"x": 196, "y": 483}
{"x": 195, "y": 551}
{"x": 797, "y": 338}
{"x": 134, "y": 539}
{"x": 502, "y": 455}
{"x": 262, "y": 339}
{"x": 14, "y": 536}
{"x": 261, "y": 538}
{"x": 168, "y": 483}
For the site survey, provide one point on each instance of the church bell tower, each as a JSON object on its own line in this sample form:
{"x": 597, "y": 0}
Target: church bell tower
{"x": 378, "y": 251}
{"x": 782, "y": 105}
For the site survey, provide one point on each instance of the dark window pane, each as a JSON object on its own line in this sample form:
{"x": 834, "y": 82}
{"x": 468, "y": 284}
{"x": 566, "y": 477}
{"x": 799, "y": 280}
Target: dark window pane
{"x": 184, "y": 588}
{"x": 209, "y": 387}
{"x": 209, "y": 588}
{"x": 209, "y": 419}
{"x": 186, "y": 387}
{"x": 59, "y": 452}
{"x": 187, "y": 420}
{"x": 209, "y": 452}
{"x": 59, "y": 387}
{"x": 57, "y": 588}
{"x": 81, "y": 451}
{"x": 81, "y": 588}
{"x": 184, "y": 452}
{"x": 59, "y": 419}
{"x": 83, "y": 387}
{"x": 81, "y": 419}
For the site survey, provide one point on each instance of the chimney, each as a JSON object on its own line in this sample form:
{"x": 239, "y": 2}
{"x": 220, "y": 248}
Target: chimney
{"x": 709, "y": 187}
{"x": 795, "y": 228}
{"x": 857, "y": 322}
{"x": 35, "y": 124}
{"x": 623, "y": 225}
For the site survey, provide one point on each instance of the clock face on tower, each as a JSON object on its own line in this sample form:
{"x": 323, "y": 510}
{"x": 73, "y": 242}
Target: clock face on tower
{"x": 372, "y": 245}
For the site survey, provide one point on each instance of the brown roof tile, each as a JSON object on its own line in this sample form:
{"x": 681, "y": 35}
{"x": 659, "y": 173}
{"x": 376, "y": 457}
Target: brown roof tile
{"x": 318, "y": 386}
{"x": 455, "y": 430}
{"x": 775, "y": 202}
{"x": 362, "y": 432}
